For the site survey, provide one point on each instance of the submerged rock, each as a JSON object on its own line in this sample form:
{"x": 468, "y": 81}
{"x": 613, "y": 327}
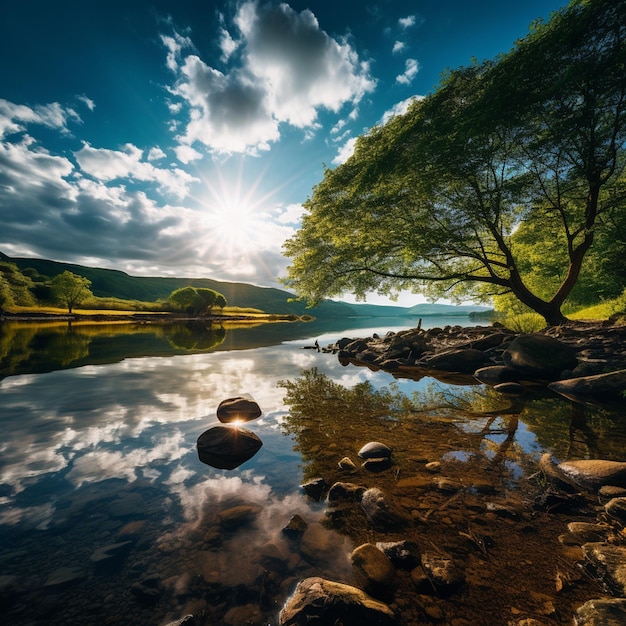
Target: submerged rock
{"x": 608, "y": 562}
{"x": 238, "y": 409}
{"x": 602, "y": 612}
{"x": 373, "y": 570}
{"x": 380, "y": 512}
{"x": 320, "y": 601}
{"x": 441, "y": 570}
{"x": 226, "y": 447}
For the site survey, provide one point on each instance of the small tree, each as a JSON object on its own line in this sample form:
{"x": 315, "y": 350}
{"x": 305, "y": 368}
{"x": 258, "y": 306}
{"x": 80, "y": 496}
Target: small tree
{"x": 70, "y": 289}
{"x": 196, "y": 301}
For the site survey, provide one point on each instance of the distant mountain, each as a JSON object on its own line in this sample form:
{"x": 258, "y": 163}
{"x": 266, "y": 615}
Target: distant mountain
{"x": 117, "y": 284}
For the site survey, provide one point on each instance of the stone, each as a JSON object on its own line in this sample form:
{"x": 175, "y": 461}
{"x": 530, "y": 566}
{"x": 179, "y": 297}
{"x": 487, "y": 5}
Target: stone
{"x": 402, "y": 554}
{"x": 539, "y": 357}
{"x": 373, "y": 570}
{"x": 463, "y": 360}
{"x": 347, "y": 465}
{"x": 226, "y": 447}
{"x": 608, "y": 563}
{"x": 320, "y": 601}
{"x": 585, "y": 532}
{"x": 447, "y": 485}
{"x": 616, "y": 508}
{"x": 315, "y": 488}
{"x": 510, "y": 389}
{"x": 608, "y": 492}
{"x": 375, "y": 449}
{"x": 345, "y": 492}
{"x": 592, "y": 474}
{"x": 148, "y": 591}
{"x": 602, "y": 612}
{"x": 611, "y": 385}
{"x": 496, "y": 374}
{"x": 295, "y": 527}
{"x": 433, "y": 467}
{"x": 441, "y": 570}
{"x": 381, "y": 514}
{"x": 239, "y": 409}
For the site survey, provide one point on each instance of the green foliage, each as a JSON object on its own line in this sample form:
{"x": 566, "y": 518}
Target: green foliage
{"x": 70, "y": 289}
{"x": 524, "y": 322}
{"x": 448, "y": 199}
{"x": 14, "y": 287}
{"x": 196, "y": 302}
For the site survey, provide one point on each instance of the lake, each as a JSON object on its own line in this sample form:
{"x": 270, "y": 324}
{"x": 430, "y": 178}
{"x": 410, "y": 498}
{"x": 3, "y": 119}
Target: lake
{"x": 108, "y": 516}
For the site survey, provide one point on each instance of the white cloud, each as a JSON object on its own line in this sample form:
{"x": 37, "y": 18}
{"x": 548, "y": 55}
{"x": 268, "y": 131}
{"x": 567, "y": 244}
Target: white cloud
{"x": 411, "y": 69}
{"x": 291, "y": 214}
{"x": 88, "y": 102}
{"x": 345, "y": 152}
{"x": 186, "y": 154}
{"x": 398, "y": 46}
{"x": 156, "y": 154}
{"x": 407, "y": 22}
{"x": 107, "y": 165}
{"x": 227, "y": 44}
{"x": 400, "y": 108}
{"x": 288, "y": 69}
{"x": 14, "y": 118}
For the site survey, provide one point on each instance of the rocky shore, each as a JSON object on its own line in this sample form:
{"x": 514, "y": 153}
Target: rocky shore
{"x": 576, "y": 360}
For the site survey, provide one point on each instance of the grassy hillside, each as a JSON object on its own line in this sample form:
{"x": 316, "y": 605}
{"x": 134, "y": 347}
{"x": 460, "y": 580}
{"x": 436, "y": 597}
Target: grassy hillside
{"x": 116, "y": 284}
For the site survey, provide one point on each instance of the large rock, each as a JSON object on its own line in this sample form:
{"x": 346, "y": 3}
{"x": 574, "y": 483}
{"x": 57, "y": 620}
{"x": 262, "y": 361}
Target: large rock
{"x": 592, "y": 474}
{"x": 238, "y": 409}
{"x": 539, "y": 356}
{"x": 616, "y": 508}
{"x": 320, "y": 601}
{"x": 602, "y": 612}
{"x": 373, "y": 570}
{"x": 611, "y": 385}
{"x": 226, "y": 447}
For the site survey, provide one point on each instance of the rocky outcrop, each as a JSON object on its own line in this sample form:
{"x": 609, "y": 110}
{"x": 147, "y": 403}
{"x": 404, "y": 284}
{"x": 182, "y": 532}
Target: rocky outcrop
{"x": 576, "y": 359}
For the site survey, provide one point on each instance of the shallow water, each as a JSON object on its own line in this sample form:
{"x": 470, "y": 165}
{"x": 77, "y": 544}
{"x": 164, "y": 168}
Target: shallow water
{"x": 108, "y": 516}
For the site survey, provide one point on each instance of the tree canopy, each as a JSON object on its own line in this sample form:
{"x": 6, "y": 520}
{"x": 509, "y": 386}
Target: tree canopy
{"x": 437, "y": 200}
{"x": 196, "y": 301}
{"x": 70, "y": 289}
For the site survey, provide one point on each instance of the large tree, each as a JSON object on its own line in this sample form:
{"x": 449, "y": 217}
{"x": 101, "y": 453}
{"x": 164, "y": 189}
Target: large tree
{"x": 431, "y": 200}
{"x": 70, "y": 289}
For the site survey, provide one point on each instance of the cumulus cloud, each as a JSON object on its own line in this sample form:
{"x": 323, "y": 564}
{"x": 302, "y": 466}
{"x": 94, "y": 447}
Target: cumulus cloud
{"x": 407, "y": 22}
{"x": 410, "y": 72}
{"x": 398, "y": 46}
{"x": 288, "y": 69}
{"x": 345, "y": 152}
{"x": 400, "y": 108}
{"x": 14, "y": 118}
{"x": 107, "y": 165}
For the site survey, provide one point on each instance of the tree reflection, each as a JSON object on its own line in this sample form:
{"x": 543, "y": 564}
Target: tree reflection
{"x": 195, "y": 336}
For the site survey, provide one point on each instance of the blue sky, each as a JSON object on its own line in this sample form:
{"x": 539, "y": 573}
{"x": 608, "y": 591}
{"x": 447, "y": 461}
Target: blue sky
{"x": 180, "y": 137}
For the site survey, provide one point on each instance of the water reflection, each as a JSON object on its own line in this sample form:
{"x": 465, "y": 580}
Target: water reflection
{"x": 104, "y": 453}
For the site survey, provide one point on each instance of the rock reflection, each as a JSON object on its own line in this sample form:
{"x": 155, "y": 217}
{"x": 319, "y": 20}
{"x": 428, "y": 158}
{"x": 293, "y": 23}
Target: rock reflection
{"x": 227, "y": 447}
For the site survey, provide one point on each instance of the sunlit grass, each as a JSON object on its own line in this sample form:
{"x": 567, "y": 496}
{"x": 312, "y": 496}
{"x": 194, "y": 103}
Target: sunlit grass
{"x": 525, "y": 322}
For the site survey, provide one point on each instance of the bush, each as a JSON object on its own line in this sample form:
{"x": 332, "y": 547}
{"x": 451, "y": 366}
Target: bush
{"x": 525, "y": 322}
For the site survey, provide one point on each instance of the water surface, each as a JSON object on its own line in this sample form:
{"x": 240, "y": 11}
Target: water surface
{"x": 108, "y": 516}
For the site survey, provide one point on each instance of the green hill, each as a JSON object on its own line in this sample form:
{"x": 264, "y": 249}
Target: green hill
{"x": 117, "y": 284}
